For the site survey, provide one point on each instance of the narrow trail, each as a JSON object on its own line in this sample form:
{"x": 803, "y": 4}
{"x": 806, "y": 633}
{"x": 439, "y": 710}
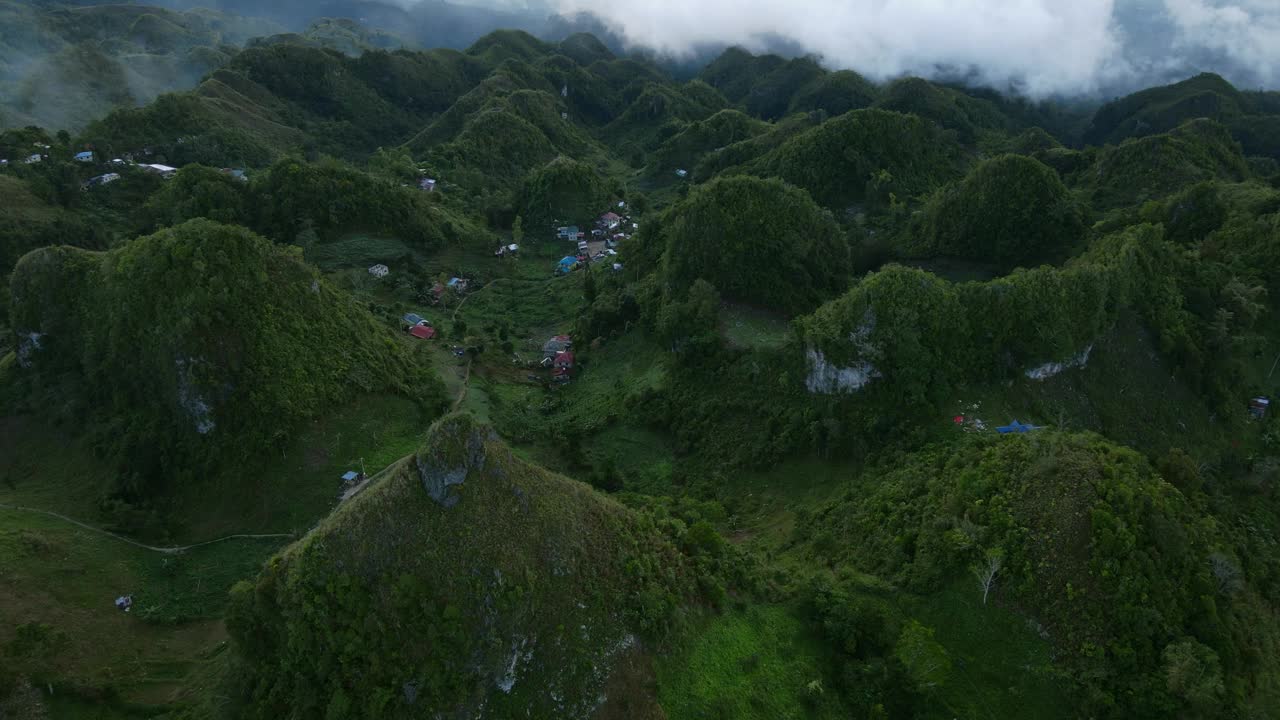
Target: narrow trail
{"x": 466, "y": 383}
{"x": 466, "y": 297}
{"x": 355, "y": 490}
{"x": 135, "y": 543}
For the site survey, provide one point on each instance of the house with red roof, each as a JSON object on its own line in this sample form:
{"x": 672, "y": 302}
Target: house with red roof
{"x": 423, "y": 332}
{"x": 563, "y": 360}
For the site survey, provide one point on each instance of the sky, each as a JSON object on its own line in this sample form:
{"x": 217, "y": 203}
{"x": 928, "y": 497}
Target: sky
{"x": 1036, "y": 47}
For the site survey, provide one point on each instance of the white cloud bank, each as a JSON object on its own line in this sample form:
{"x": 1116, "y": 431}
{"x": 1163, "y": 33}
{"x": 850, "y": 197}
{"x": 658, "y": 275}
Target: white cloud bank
{"x": 1038, "y": 46}
{"x": 1247, "y": 32}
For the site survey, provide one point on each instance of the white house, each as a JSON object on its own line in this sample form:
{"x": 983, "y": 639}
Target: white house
{"x": 33, "y": 159}
{"x": 161, "y": 170}
{"x": 682, "y": 173}
{"x": 379, "y": 270}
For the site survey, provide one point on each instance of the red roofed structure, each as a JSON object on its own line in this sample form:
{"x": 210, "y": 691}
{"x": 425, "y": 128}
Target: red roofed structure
{"x": 423, "y": 332}
{"x": 564, "y": 360}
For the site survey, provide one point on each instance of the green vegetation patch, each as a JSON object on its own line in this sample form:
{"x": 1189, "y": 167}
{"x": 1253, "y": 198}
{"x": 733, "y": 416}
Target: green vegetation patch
{"x": 200, "y": 344}
{"x": 1010, "y": 210}
{"x": 871, "y": 156}
{"x": 357, "y": 251}
{"x": 762, "y": 662}
{"x": 756, "y": 241}
{"x": 1090, "y": 540}
{"x": 61, "y": 623}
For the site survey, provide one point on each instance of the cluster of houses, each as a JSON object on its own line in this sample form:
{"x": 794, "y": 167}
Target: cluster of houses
{"x": 418, "y": 326}
{"x": 456, "y": 285}
{"x": 610, "y": 230}
{"x": 557, "y": 354}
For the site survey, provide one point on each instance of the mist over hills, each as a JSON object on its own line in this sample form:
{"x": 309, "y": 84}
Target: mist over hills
{"x": 1091, "y": 50}
{"x": 1095, "y": 48}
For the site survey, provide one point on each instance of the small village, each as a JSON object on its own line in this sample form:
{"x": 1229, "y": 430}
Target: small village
{"x": 597, "y": 245}
{"x": 600, "y": 245}
{"x": 115, "y": 166}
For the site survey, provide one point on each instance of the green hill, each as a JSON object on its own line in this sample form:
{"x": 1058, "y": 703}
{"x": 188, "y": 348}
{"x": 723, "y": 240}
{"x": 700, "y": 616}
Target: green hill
{"x": 836, "y": 93}
{"x": 962, "y": 114}
{"x": 197, "y": 346}
{"x": 1156, "y": 166}
{"x": 1125, "y": 572}
{"x": 562, "y": 192}
{"x": 691, "y": 144}
{"x": 1010, "y": 210}
{"x": 466, "y": 578}
{"x": 1161, "y": 109}
{"x": 837, "y": 160}
{"x": 756, "y": 241}
{"x": 1252, "y": 118}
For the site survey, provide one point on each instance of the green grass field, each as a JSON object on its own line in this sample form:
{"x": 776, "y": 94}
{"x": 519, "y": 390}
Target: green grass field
{"x": 290, "y": 493}
{"x": 47, "y": 468}
{"x": 357, "y": 251}
{"x": 61, "y": 626}
{"x": 755, "y": 664}
{"x": 1000, "y": 667}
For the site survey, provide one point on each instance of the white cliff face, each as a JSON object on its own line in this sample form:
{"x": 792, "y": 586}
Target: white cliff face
{"x": 1049, "y": 369}
{"x": 828, "y": 379}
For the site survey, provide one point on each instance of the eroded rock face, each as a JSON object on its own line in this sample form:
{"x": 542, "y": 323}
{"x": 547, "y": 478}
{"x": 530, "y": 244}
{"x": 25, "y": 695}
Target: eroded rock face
{"x": 1050, "y": 369}
{"x": 827, "y": 379}
{"x": 447, "y": 465}
{"x": 437, "y": 482}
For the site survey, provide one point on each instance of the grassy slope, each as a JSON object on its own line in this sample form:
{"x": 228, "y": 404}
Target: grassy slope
{"x": 754, "y": 664}
{"x": 67, "y": 578}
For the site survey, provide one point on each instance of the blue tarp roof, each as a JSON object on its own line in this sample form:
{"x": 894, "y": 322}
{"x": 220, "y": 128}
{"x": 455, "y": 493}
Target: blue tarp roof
{"x": 412, "y": 318}
{"x": 566, "y": 260}
{"x": 1016, "y": 427}
{"x": 350, "y": 475}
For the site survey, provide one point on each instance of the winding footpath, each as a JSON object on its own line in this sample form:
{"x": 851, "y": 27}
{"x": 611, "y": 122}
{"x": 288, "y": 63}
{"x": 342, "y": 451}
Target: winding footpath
{"x": 122, "y": 538}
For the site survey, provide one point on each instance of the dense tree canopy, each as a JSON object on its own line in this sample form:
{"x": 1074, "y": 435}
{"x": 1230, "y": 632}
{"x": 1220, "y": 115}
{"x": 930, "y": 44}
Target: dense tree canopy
{"x": 835, "y": 160}
{"x": 564, "y": 192}
{"x": 1010, "y": 210}
{"x": 203, "y": 343}
{"x": 756, "y": 241}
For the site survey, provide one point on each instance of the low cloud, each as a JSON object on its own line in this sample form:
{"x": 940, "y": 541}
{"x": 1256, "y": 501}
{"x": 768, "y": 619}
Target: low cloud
{"x": 1241, "y": 33}
{"x": 1037, "y": 47}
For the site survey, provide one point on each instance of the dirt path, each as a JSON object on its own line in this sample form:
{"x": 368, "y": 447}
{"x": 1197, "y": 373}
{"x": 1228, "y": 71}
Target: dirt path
{"x": 355, "y": 490}
{"x": 121, "y": 538}
{"x": 462, "y": 394}
{"x": 458, "y": 307}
